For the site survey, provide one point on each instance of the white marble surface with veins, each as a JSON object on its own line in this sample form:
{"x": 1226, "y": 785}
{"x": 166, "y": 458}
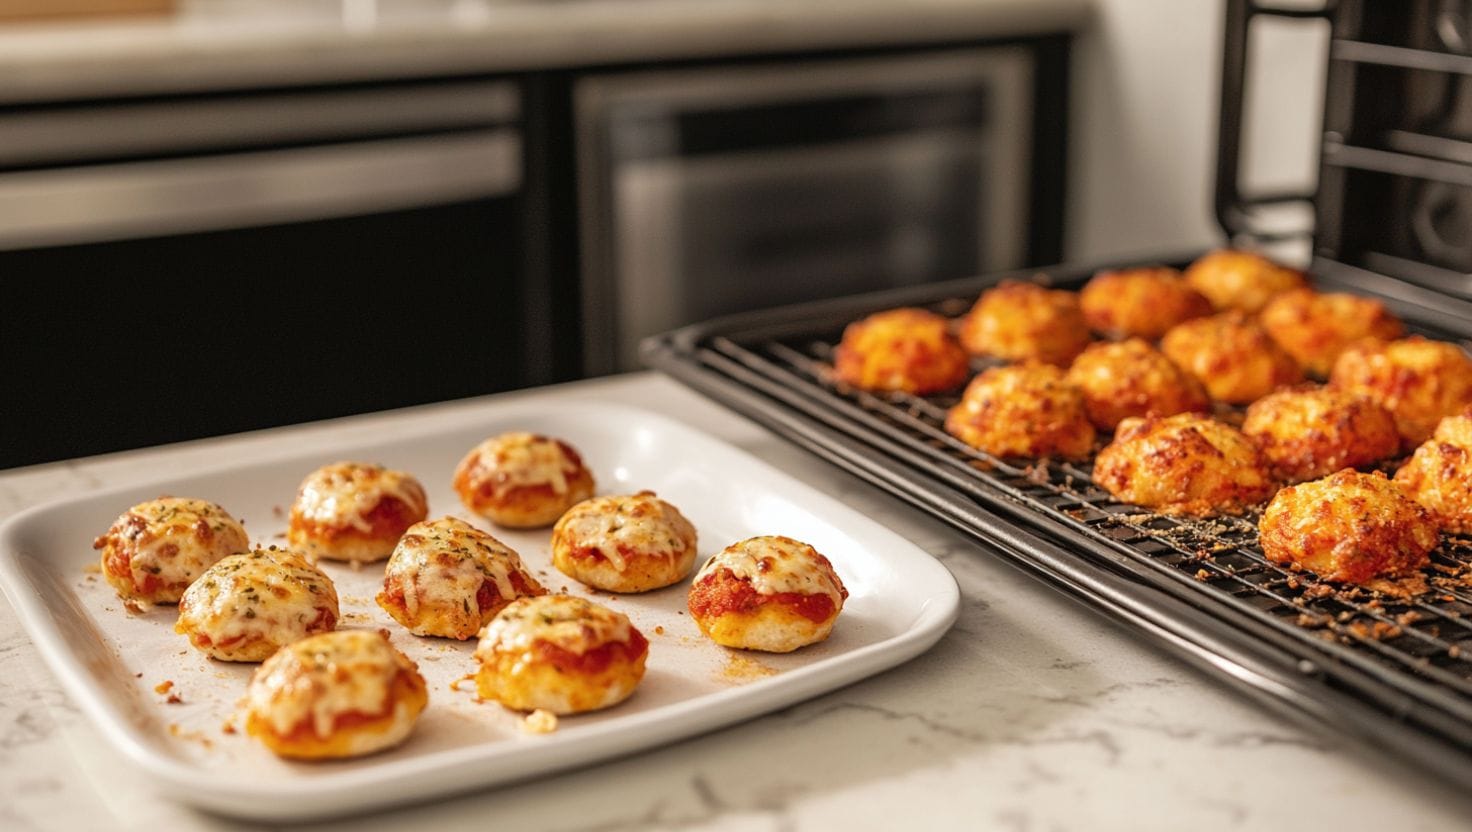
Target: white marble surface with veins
{"x": 1034, "y": 713}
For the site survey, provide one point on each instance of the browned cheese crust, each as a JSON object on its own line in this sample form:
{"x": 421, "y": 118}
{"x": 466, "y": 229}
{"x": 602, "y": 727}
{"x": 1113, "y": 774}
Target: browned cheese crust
{"x": 1348, "y": 526}
{"x": 1315, "y": 328}
{"x": 1184, "y": 464}
{"x": 1311, "y": 432}
{"x": 1418, "y": 380}
{"x": 1143, "y": 302}
{"x": 1232, "y": 355}
{"x": 1025, "y": 410}
{"x": 1241, "y": 280}
{"x": 1439, "y": 474}
{"x": 1020, "y": 321}
{"x": 1131, "y": 378}
{"x": 906, "y": 350}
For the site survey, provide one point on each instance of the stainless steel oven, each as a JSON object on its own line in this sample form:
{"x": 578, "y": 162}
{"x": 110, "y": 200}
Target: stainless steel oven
{"x": 183, "y": 266}
{"x": 704, "y": 191}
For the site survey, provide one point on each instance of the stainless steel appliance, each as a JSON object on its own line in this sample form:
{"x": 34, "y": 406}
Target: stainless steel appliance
{"x": 192, "y": 265}
{"x": 704, "y": 191}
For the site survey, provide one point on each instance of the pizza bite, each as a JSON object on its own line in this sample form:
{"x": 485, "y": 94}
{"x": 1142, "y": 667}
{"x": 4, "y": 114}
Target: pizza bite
{"x": 631, "y": 543}
{"x": 769, "y": 593}
{"x": 448, "y": 578}
{"x": 247, "y": 606}
{"x": 156, "y": 549}
{"x": 354, "y": 511}
{"x": 522, "y": 480}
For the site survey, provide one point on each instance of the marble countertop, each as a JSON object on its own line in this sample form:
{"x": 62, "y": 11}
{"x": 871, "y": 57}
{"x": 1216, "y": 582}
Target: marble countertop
{"x": 233, "y": 43}
{"x": 1034, "y": 713}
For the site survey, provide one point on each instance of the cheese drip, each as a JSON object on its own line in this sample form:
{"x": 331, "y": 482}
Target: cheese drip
{"x": 774, "y": 565}
{"x": 344, "y": 493}
{"x": 572, "y": 624}
{"x": 519, "y": 460}
{"x": 640, "y": 523}
{"x": 175, "y": 538}
{"x": 324, "y": 677}
{"x": 273, "y": 595}
{"x": 442, "y": 563}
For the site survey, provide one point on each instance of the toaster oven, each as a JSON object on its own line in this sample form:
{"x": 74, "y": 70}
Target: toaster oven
{"x": 1393, "y": 672}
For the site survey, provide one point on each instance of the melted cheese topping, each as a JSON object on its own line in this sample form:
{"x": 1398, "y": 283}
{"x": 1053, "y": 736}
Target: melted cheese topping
{"x": 777, "y": 564}
{"x": 175, "y": 538}
{"x": 640, "y": 523}
{"x": 519, "y": 460}
{"x": 269, "y": 594}
{"x": 442, "y": 563}
{"x": 324, "y": 677}
{"x": 572, "y": 624}
{"x": 344, "y": 493}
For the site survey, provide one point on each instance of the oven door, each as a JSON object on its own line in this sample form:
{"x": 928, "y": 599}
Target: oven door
{"x": 152, "y": 300}
{"x": 717, "y": 191}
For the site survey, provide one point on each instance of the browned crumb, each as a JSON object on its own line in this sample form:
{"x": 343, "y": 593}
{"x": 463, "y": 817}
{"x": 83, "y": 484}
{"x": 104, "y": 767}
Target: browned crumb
{"x": 659, "y": 630}
{"x": 175, "y": 699}
{"x": 278, "y": 511}
{"x": 455, "y": 684}
{"x": 134, "y": 607}
{"x": 138, "y": 675}
{"x": 539, "y": 722}
{"x": 163, "y": 687}
{"x": 228, "y": 728}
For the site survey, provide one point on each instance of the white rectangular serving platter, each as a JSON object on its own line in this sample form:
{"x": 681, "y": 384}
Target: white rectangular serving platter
{"x": 113, "y": 663}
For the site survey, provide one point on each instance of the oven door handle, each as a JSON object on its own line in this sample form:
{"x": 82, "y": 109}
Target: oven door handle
{"x": 1234, "y": 210}
{"x": 97, "y": 203}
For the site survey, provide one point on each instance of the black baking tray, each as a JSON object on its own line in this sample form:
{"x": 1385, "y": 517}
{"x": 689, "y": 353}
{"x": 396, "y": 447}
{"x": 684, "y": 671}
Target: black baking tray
{"x": 1389, "y": 673}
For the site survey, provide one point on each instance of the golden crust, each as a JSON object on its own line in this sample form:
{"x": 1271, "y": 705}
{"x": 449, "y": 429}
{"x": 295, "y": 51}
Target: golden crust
{"x": 1418, "y": 380}
{"x": 1315, "y": 328}
{"x": 769, "y": 593}
{"x": 354, "y": 511}
{"x": 1144, "y": 302}
{"x": 1439, "y": 474}
{"x": 522, "y": 480}
{"x": 249, "y": 605}
{"x": 340, "y": 694}
{"x": 1232, "y": 356}
{"x": 528, "y": 662}
{"x": 908, "y": 350}
{"x": 156, "y": 549}
{"x": 1184, "y": 464}
{"x": 1241, "y": 280}
{"x": 1311, "y": 432}
{"x": 1025, "y": 410}
{"x": 447, "y": 578}
{"x": 1020, "y": 321}
{"x": 1349, "y": 527}
{"x": 631, "y": 543}
{"x": 1131, "y": 379}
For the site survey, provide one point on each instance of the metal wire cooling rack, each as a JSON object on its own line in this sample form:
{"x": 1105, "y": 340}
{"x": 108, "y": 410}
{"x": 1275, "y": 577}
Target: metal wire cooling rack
{"x": 1202, "y": 587}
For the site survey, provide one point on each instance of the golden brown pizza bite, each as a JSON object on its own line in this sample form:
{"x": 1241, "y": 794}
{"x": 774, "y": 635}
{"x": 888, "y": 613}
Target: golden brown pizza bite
{"x": 1419, "y": 381}
{"x": 1024, "y": 410}
{"x": 1023, "y": 321}
{"x": 1143, "y": 302}
{"x": 631, "y": 543}
{"x": 354, "y": 511}
{"x": 247, "y": 606}
{"x": 907, "y": 350}
{"x": 448, "y": 578}
{"x": 561, "y": 654}
{"x": 1241, "y": 280}
{"x": 156, "y": 549}
{"x": 522, "y": 480}
{"x": 1184, "y": 464}
{"x": 340, "y": 694}
{"x": 1311, "y": 432}
{"x": 1315, "y": 328}
{"x": 1439, "y": 474}
{"x": 1232, "y": 356}
{"x": 767, "y": 593}
{"x": 1349, "y": 527}
{"x": 1132, "y": 378}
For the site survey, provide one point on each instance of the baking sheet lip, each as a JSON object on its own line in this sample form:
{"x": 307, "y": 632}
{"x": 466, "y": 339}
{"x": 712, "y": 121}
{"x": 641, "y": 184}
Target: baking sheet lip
{"x": 934, "y": 617}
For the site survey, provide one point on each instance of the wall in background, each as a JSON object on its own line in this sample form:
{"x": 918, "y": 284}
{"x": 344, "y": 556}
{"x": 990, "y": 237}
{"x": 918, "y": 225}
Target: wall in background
{"x": 1146, "y": 91}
